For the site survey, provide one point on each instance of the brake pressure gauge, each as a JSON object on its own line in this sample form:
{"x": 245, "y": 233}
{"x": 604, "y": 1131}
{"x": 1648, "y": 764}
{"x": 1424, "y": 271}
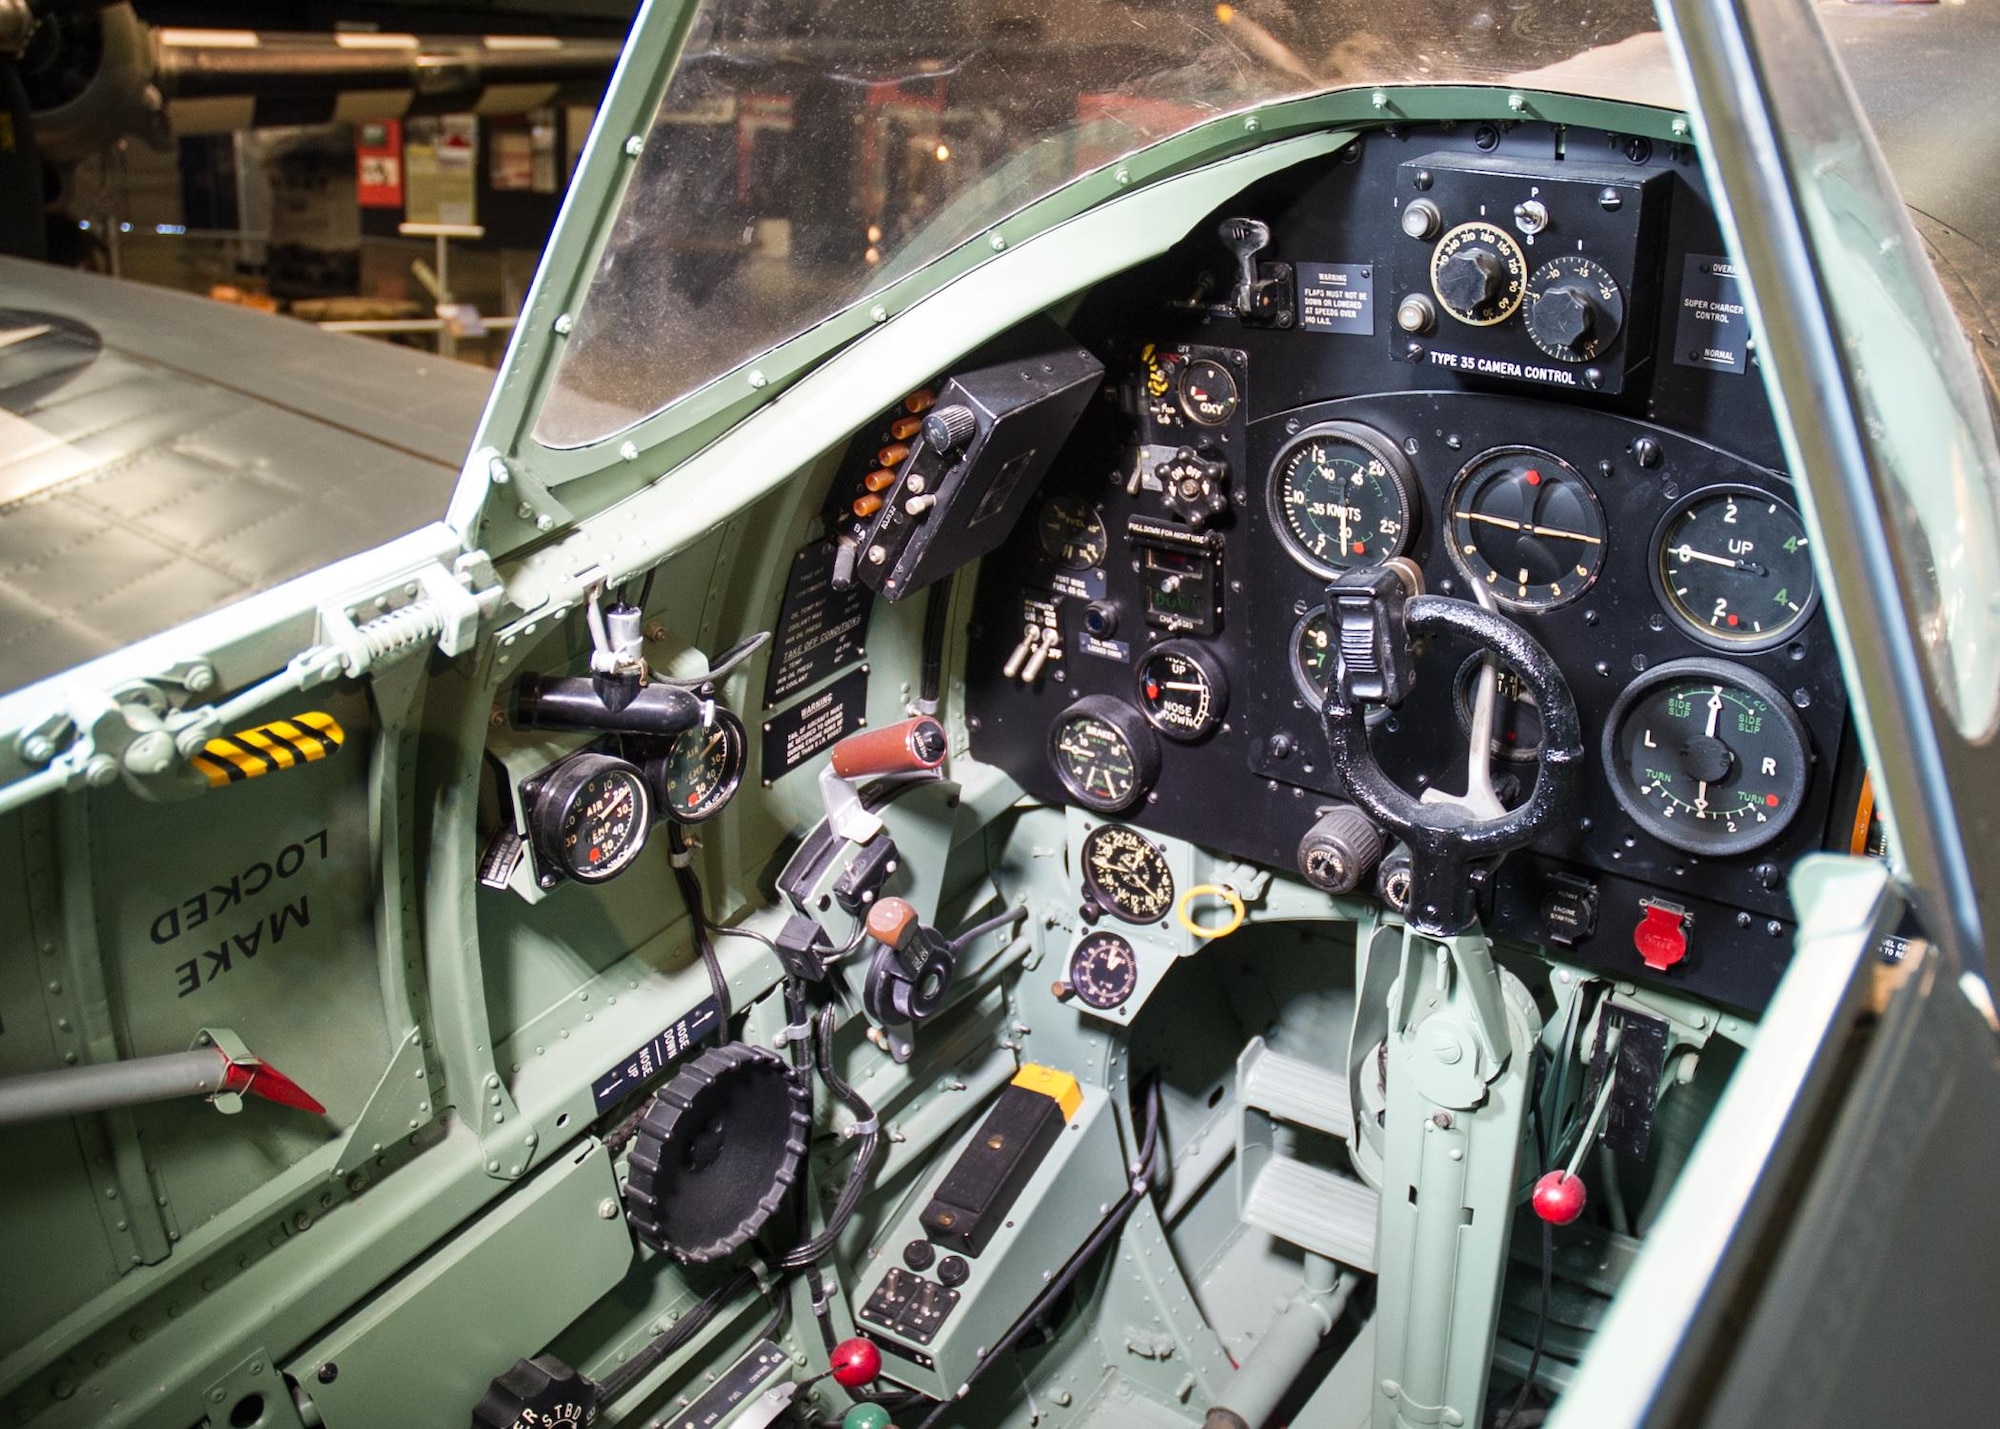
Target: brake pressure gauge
{"x": 1105, "y": 754}
{"x": 590, "y": 817}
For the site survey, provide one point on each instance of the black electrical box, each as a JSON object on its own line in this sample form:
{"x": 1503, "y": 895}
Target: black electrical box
{"x": 983, "y": 449}
{"x": 973, "y": 1199}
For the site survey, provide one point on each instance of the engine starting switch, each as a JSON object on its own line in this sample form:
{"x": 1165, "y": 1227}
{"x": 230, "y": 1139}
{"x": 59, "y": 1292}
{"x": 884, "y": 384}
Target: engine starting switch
{"x": 1661, "y": 936}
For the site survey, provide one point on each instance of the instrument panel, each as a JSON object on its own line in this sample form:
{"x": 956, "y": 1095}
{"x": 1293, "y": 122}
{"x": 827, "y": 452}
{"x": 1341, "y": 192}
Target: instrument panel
{"x": 1627, "y": 511}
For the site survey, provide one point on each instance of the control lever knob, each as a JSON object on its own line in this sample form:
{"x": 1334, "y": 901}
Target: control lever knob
{"x": 1469, "y": 279}
{"x": 907, "y": 747}
{"x": 948, "y": 428}
{"x": 1565, "y": 319}
{"x": 1340, "y": 850}
{"x": 855, "y": 1362}
{"x": 1197, "y": 487}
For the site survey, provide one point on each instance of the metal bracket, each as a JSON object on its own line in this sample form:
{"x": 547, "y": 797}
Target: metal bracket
{"x": 252, "y": 1393}
{"x": 399, "y": 1106}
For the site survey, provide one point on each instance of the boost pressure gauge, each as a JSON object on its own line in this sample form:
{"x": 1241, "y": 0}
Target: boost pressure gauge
{"x": 701, "y": 770}
{"x": 1707, "y": 756}
{"x": 1182, "y": 689}
{"x": 1105, "y": 754}
{"x": 590, "y": 817}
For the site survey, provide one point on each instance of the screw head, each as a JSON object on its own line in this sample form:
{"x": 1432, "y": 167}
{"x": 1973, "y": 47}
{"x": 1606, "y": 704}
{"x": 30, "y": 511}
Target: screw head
{"x": 564, "y": 323}
{"x": 200, "y": 676}
{"x": 635, "y": 146}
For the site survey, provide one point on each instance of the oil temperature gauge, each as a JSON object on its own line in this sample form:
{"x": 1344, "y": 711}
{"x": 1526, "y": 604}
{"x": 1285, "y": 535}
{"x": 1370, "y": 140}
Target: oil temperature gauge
{"x": 1707, "y": 756}
{"x": 1125, "y": 874}
{"x": 590, "y": 817}
{"x": 1103, "y": 971}
{"x": 1182, "y": 690}
{"x": 1105, "y": 754}
{"x": 701, "y": 769}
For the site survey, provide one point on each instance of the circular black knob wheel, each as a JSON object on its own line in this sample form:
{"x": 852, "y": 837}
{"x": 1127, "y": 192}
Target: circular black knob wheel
{"x": 948, "y": 428}
{"x": 1564, "y": 317}
{"x": 1446, "y": 840}
{"x": 1469, "y": 279}
{"x": 716, "y": 1153}
{"x": 535, "y": 1393}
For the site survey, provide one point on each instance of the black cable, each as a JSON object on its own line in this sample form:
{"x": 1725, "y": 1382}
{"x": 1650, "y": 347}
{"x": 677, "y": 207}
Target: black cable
{"x": 1541, "y": 1323}
{"x": 729, "y": 659}
{"x": 1107, "y": 1229}
{"x": 655, "y": 1353}
{"x": 867, "y": 1143}
{"x": 979, "y": 930}
{"x": 690, "y": 886}
{"x": 937, "y": 616}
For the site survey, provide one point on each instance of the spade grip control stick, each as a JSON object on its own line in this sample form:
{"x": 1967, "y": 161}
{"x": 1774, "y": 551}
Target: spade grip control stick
{"x": 908, "y": 747}
{"x": 1453, "y": 849}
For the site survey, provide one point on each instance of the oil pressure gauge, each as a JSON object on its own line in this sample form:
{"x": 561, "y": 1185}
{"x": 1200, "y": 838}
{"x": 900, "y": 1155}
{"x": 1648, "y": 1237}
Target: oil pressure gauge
{"x": 590, "y": 817}
{"x": 701, "y": 769}
{"x": 1707, "y": 756}
{"x": 1182, "y": 689}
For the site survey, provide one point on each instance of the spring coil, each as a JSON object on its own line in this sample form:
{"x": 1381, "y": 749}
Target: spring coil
{"x": 386, "y": 636}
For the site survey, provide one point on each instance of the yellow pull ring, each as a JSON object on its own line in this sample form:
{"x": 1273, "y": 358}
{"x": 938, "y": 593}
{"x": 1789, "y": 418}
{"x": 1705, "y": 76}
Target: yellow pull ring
{"x": 1210, "y": 890}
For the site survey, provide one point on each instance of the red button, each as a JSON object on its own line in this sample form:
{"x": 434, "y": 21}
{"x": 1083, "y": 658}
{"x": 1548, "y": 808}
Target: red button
{"x": 1660, "y": 939}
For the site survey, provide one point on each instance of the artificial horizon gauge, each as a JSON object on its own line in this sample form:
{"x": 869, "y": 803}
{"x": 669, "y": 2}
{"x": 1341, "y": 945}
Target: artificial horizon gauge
{"x": 1517, "y": 719}
{"x": 1126, "y": 874}
{"x": 1071, "y": 533}
{"x": 590, "y": 817}
{"x": 1525, "y": 523}
{"x": 1339, "y": 495}
{"x": 1479, "y": 273}
{"x": 700, "y": 771}
{"x": 1732, "y": 567}
{"x": 1707, "y": 756}
{"x": 1105, "y": 754}
{"x": 1208, "y": 393}
{"x": 1182, "y": 690}
{"x": 1103, "y": 971}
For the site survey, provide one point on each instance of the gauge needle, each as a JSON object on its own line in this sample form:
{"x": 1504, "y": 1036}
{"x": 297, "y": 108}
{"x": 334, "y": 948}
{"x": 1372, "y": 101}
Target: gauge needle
{"x": 1343, "y": 524}
{"x": 1180, "y": 685}
{"x": 1532, "y": 530}
{"x": 1689, "y": 553}
{"x": 1714, "y": 714}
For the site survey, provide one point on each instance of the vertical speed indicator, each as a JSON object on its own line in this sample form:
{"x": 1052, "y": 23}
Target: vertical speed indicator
{"x": 1340, "y": 498}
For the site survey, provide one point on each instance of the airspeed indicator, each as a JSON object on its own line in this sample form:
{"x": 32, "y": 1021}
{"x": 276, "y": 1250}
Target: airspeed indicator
{"x": 1339, "y": 495}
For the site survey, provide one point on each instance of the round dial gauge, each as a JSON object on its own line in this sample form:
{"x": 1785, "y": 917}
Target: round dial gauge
{"x": 1732, "y": 568}
{"x": 1103, "y": 971}
{"x": 1517, "y": 719}
{"x": 1340, "y": 496}
{"x": 1182, "y": 689}
{"x": 1527, "y": 524}
{"x": 1574, "y": 308}
{"x": 1479, "y": 273}
{"x": 591, "y": 817}
{"x": 1707, "y": 756}
{"x": 1313, "y": 657}
{"x": 1072, "y": 533}
{"x": 1104, "y": 753}
{"x": 701, "y": 769}
{"x": 1126, "y": 874}
{"x": 1208, "y": 393}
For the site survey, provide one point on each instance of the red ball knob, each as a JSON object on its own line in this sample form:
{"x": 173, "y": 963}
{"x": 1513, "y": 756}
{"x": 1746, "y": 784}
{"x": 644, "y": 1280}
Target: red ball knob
{"x": 1559, "y": 1198}
{"x": 855, "y": 1362}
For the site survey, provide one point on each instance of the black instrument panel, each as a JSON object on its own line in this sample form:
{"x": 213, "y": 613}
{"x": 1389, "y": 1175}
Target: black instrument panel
{"x": 1632, "y": 522}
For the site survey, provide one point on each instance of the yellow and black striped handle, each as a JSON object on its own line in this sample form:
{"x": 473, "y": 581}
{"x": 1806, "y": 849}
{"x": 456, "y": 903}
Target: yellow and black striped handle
{"x": 281, "y": 744}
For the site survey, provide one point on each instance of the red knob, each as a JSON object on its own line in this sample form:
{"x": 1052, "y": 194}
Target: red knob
{"x": 1558, "y": 1199}
{"x": 855, "y": 1362}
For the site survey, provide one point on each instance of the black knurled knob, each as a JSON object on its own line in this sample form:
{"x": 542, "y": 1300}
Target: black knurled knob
{"x": 946, "y": 429}
{"x": 1563, "y": 317}
{"x": 1469, "y": 279}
